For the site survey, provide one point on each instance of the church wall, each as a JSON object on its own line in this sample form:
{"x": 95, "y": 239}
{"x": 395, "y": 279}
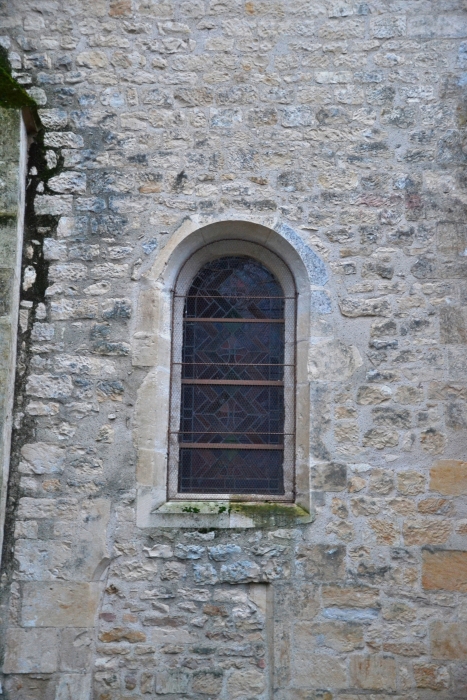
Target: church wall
{"x": 335, "y": 130}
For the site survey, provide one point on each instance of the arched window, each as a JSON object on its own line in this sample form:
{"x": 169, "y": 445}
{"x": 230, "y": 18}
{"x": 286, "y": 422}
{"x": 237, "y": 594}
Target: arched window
{"x": 232, "y": 421}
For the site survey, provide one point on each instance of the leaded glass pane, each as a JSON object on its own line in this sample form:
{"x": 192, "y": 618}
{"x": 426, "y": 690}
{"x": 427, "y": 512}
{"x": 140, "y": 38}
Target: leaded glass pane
{"x": 232, "y": 381}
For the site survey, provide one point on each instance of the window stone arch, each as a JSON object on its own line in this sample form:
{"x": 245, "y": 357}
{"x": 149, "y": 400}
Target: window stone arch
{"x": 190, "y": 245}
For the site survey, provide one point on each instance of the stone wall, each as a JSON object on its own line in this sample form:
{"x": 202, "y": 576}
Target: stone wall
{"x": 338, "y": 127}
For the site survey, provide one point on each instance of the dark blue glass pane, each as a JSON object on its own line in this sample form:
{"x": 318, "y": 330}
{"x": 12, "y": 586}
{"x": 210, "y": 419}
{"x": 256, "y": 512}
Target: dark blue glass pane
{"x": 235, "y": 287}
{"x": 218, "y": 343}
{"x": 231, "y": 471}
{"x": 232, "y": 409}
{"x": 243, "y": 341}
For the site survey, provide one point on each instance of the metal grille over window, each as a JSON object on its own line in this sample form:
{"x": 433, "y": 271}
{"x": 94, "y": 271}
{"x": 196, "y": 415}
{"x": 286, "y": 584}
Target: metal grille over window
{"x": 231, "y": 435}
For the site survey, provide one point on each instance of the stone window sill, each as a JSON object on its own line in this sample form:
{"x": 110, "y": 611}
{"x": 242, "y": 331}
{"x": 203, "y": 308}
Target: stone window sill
{"x": 227, "y": 514}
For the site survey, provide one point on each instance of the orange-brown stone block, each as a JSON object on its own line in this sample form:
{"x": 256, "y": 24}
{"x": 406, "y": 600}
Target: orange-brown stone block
{"x": 373, "y": 672}
{"x": 448, "y": 640}
{"x": 449, "y": 477}
{"x": 445, "y": 570}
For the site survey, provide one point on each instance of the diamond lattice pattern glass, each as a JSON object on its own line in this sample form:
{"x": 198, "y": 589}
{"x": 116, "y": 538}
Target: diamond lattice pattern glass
{"x": 231, "y": 437}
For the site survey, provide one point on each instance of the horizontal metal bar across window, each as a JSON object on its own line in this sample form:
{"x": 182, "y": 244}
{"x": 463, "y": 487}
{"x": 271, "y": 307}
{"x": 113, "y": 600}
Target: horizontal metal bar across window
{"x": 226, "y": 446}
{"x": 233, "y": 320}
{"x": 234, "y": 382}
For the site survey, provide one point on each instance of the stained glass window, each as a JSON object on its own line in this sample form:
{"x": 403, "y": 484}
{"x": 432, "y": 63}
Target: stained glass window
{"x": 231, "y": 433}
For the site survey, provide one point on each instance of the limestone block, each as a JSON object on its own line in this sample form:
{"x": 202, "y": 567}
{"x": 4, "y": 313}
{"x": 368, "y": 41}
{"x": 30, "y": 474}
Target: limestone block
{"x": 208, "y": 682}
{"x": 73, "y": 686}
{"x": 323, "y": 562}
{"x": 75, "y": 649}
{"x": 173, "y": 681}
{"x": 411, "y": 483}
{"x": 373, "y": 672}
{"x": 64, "y": 309}
{"x": 68, "y": 272}
{"x": 240, "y": 571}
{"x": 448, "y": 640}
{"x": 245, "y": 683}
{"x": 33, "y": 508}
{"x": 68, "y": 182}
{"x": 380, "y": 438}
{"x": 60, "y": 604}
{"x": 350, "y": 596}
{"x": 339, "y": 636}
{"x": 333, "y": 360}
{"x": 386, "y": 532}
{"x": 388, "y": 26}
{"x": 449, "y": 477}
{"x": 222, "y": 552}
{"x": 119, "y": 634}
{"x": 49, "y": 386}
{"x": 53, "y": 205}
{"x": 330, "y": 476}
{"x": 432, "y": 676}
{"x": 42, "y": 332}
{"x": 161, "y": 551}
{"x": 369, "y": 394}
{"x": 381, "y": 482}
{"x": 53, "y": 119}
{"x": 63, "y": 139}
{"x": 42, "y": 458}
{"x": 31, "y": 651}
{"x": 42, "y": 560}
{"x": 444, "y": 570}
{"x": 318, "y": 671}
{"x": 426, "y": 531}
{"x": 353, "y": 308}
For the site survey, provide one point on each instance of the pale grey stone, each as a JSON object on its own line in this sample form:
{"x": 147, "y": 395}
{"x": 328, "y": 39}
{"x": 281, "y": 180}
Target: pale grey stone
{"x": 314, "y": 265}
{"x": 42, "y": 458}
{"x": 31, "y": 651}
{"x": 205, "y": 573}
{"x": 222, "y": 552}
{"x": 240, "y": 571}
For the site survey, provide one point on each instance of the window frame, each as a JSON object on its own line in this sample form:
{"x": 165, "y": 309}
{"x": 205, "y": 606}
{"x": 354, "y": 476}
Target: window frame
{"x": 185, "y": 277}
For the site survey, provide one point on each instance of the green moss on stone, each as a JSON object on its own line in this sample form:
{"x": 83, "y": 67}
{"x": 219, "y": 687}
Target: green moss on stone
{"x": 12, "y": 95}
{"x": 272, "y": 514}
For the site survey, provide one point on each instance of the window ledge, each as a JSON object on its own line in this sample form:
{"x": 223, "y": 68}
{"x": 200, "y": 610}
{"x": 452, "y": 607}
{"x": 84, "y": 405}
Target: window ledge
{"x": 226, "y": 514}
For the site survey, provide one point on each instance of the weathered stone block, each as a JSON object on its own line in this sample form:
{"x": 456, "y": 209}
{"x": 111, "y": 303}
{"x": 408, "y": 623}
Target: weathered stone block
{"x": 364, "y": 307}
{"x": 73, "y": 685}
{"x": 333, "y": 360}
{"x": 373, "y": 394}
{"x": 173, "y": 681}
{"x": 448, "y": 640}
{"x": 60, "y": 604}
{"x": 330, "y": 476}
{"x": 323, "y": 562}
{"x": 410, "y": 483}
{"x": 208, "y": 682}
{"x": 432, "y": 676}
{"x": 42, "y": 458}
{"x": 380, "y": 438}
{"x": 339, "y": 636}
{"x": 373, "y": 672}
{"x": 31, "y": 651}
{"x": 426, "y": 531}
{"x": 48, "y": 386}
{"x": 76, "y": 649}
{"x": 245, "y": 682}
{"x": 318, "y": 671}
{"x": 350, "y": 596}
{"x": 449, "y": 477}
{"x": 444, "y": 570}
